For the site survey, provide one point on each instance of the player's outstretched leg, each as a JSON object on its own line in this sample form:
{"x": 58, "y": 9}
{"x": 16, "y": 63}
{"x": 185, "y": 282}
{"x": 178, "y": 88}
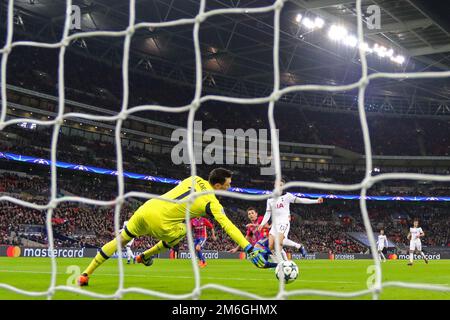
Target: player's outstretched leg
{"x": 424, "y": 257}
{"x": 411, "y": 258}
{"x": 129, "y": 254}
{"x": 201, "y": 259}
{"x": 382, "y": 255}
{"x": 202, "y": 262}
{"x": 146, "y": 258}
{"x": 105, "y": 252}
{"x": 289, "y": 243}
{"x": 178, "y": 232}
{"x": 277, "y": 255}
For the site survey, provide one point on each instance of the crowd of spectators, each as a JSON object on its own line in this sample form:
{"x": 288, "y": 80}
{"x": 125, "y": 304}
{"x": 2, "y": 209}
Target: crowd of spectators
{"x": 87, "y": 152}
{"x": 321, "y": 228}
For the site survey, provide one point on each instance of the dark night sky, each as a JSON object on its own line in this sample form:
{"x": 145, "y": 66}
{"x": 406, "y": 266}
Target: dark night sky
{"x": 438, "y": 10}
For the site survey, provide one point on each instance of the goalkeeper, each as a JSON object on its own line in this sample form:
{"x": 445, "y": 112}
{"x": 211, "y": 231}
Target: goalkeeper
{"x": 165, "y": 220}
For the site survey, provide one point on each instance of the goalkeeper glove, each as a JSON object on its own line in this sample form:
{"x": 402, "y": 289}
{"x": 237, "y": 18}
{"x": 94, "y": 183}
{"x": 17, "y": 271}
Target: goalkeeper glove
{"x": 256, "y": 256}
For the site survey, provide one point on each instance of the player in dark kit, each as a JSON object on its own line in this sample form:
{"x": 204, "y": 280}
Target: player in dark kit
{"x": 199, "y": 226}
{"x": 252, "y": 234}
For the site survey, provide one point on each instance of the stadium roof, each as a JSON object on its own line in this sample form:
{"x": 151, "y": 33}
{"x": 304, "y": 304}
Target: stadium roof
{"x": 237, "y": 49}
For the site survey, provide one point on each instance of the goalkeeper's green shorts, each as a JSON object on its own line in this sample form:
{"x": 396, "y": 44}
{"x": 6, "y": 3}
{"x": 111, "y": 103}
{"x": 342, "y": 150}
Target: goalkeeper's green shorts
{"x": 147, "y": 221}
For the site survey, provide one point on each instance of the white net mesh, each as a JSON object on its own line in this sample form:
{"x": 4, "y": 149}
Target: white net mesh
{"x": 364, "y": 185}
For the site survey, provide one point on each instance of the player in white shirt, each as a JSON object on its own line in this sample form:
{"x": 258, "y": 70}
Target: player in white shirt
{"x": 414, "y": 235}
{"x": 280, "y": 208}
{"x": 290, "y": 243}
{"x": 130, "y": 254}
{"x": 382, "y": 243}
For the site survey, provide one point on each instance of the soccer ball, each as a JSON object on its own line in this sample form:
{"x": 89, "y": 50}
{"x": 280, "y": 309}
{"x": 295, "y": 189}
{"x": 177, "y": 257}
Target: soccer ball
{"x": 286, "y": 270}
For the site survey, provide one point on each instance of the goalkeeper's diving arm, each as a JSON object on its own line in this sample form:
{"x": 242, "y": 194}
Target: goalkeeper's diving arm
{"x": 255, "y": 255}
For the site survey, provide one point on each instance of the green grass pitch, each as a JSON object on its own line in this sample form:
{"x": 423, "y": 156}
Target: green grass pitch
{"x": 176, "y": 277}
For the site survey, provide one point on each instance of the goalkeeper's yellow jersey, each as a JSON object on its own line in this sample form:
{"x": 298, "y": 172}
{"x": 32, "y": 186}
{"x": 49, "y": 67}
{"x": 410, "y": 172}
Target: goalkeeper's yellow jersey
{"x": 172, "y": 213}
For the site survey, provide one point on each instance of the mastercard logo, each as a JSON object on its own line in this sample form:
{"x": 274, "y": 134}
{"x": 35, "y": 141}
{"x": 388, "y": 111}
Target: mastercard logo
{"x": 13, "y": 251}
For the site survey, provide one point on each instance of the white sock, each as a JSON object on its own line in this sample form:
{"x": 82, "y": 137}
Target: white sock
{"x": 290, "y": 243}
{"x": 423, "y": 255}
{"x": 284, "y": 255}
{"x": 382, "y": 255}
{"x": 129, "y": 254}
{"x": 411, "y": 257}
{"x": 275, "y": 258}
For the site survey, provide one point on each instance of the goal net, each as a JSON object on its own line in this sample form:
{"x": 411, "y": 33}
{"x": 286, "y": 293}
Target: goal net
{"x": 118, "y": 119}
